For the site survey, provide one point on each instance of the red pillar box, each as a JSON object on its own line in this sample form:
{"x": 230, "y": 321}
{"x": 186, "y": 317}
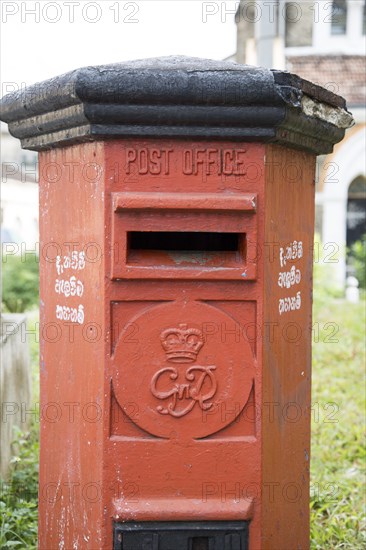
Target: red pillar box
{"x": 177, "y": 219}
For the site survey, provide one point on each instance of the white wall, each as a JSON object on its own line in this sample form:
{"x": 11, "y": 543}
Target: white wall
{"x": 19, "y": 193}
{"x": 19, "y": 206}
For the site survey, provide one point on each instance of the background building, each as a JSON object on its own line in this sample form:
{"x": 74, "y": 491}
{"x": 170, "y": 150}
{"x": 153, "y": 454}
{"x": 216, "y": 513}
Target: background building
{"x": 323, "y": 42}
{"x": 19, "y": 196}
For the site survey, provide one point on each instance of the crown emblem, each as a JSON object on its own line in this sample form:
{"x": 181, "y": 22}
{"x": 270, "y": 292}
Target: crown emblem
{"x": 181, "y": 344}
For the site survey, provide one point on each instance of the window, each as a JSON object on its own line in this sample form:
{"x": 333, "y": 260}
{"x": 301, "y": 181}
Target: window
{"x": 339, "y": 17}
{"x": 356, "y": 210}
{"x": 356, "y": 219}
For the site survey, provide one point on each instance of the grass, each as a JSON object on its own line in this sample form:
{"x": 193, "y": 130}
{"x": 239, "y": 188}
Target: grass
{"x": 338, "y": 440}
{"x": 338, "y": 451}
{"x": 18, "y": 499}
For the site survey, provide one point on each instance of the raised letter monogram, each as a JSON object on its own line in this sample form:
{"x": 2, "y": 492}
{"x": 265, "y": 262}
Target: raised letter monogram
{"x": 196, "y": 384}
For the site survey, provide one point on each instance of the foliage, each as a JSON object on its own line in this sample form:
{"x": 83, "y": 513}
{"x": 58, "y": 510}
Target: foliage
{"x": 18, "y": 497}
{"x": 357, "y": 259}
{"x": 338, "y": 452}
{"x": 20, "y": 282}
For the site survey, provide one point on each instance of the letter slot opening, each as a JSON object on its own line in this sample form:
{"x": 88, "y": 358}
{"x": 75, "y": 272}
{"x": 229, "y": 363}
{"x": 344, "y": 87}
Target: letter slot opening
{"x": 188, "y": 241}
{"x": 211, "y": 249}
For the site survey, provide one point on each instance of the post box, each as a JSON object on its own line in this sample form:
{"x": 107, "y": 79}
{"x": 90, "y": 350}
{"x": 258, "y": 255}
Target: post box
{"x": 176, "y": 222}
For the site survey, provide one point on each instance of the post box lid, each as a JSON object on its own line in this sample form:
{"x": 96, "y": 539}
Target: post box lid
{"x": 177, "y": 97}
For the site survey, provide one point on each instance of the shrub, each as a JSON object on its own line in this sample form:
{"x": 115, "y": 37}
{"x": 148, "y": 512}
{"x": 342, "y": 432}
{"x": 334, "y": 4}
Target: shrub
{"x": 20, "y": 283}
{"x": 18, "y": 496}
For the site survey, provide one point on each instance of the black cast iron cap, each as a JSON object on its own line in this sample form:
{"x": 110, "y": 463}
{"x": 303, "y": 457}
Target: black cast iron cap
{"x": 177, "y": 97}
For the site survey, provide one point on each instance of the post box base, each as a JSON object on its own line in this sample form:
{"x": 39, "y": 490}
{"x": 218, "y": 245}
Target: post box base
{"x": 182, "y": 535}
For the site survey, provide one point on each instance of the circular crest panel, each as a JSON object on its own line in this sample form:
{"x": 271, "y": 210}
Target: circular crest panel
{"x": 187, "y": 369}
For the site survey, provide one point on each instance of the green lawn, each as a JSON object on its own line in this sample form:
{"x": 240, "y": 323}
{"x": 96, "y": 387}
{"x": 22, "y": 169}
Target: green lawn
{"x": 338, "y": 439}
{"x": 338, "y": 451}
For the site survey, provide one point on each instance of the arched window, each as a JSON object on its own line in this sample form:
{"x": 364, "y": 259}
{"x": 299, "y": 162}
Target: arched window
{"x": 339, "y": 17}
{"x": 356, "y": 210}
{"x": 356, "y": 227}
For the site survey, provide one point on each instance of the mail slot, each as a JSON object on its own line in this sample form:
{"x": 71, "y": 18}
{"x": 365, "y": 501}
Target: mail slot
{"x": 208, "y": 242}
{"x": 176, "y": 236}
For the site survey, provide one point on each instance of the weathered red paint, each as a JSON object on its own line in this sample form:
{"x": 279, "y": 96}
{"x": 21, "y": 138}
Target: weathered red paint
{"x": 141, "y": 436}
